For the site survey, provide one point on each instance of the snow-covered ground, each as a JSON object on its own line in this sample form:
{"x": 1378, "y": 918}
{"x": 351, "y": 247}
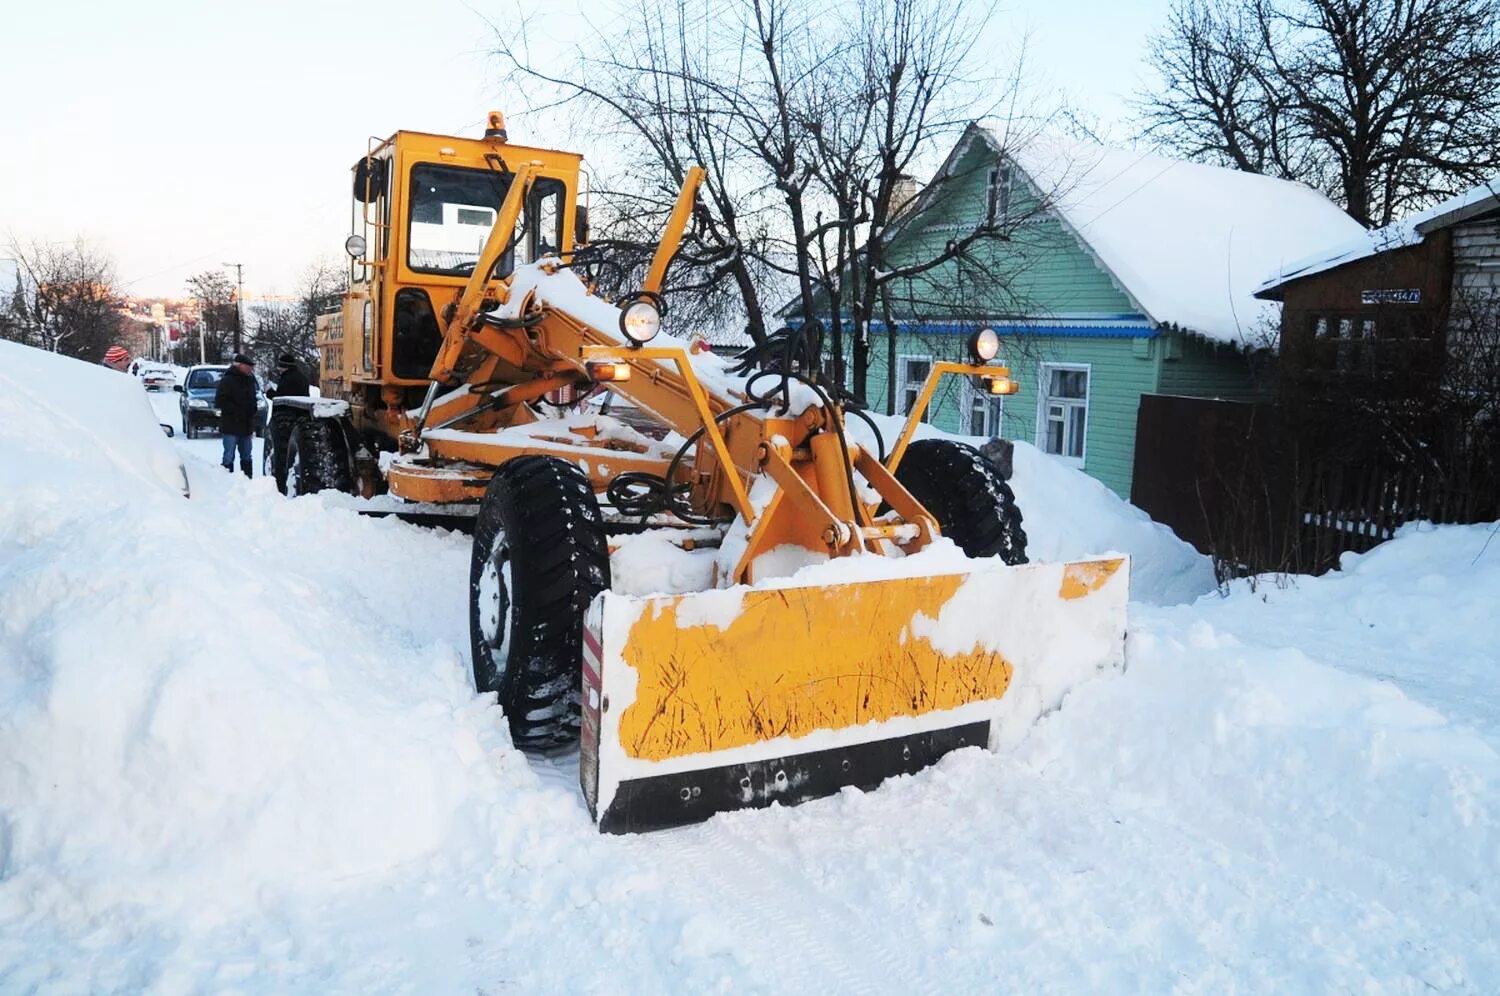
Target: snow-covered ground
{"x": 239, "y": 751}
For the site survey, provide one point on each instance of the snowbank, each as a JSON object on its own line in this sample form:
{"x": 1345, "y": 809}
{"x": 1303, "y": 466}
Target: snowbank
{"x": 234, "y": 723}
{"x": 239, "y": 751}
{"x": 191, "y": 703}
{"x": 60, "y": 418}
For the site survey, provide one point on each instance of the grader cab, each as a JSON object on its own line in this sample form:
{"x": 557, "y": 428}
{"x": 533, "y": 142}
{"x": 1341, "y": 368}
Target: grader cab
{"x": 764, "y": 600}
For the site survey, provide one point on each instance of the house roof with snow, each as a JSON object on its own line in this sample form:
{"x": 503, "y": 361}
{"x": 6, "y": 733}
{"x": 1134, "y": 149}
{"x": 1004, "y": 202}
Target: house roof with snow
{"x": 1407, "y": 232}
{"x": 1189, "y": 244}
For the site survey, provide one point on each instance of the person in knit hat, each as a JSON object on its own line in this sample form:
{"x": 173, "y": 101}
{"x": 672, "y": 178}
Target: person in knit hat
{"x": 291, "y": 382}
{"x": 235, "y": 400}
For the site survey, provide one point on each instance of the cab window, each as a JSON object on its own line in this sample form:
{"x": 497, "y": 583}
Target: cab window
{"x": 453, "y": 209}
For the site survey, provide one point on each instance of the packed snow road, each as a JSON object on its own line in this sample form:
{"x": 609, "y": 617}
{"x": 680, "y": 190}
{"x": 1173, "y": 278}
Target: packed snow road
{"x": 239, "y": 750}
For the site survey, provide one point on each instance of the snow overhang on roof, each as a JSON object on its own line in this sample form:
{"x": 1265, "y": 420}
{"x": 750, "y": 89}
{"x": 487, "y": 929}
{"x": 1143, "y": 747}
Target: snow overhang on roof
{"x": 1188, "y": 243}
{"x": 1398, "y": 235}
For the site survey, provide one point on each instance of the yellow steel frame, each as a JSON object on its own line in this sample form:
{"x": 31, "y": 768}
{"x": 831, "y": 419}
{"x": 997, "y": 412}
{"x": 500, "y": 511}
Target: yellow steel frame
{"x": 813, "y": 505}
{"x": 738, "y": 495}
{"x": 937, "y": 373}
{"x": 676, "y": 225}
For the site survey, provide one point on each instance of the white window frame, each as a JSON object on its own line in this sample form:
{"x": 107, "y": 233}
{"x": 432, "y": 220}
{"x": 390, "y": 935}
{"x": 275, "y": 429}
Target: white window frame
{"x": 998, "y": 193}
{"x": 996, "y": 403}
{"x": 1044, "y": 382}
{"x": 903, "y": 384}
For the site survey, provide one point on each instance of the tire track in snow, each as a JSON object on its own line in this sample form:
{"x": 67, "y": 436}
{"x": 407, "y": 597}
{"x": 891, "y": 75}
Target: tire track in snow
{"x": 784, "y": 922}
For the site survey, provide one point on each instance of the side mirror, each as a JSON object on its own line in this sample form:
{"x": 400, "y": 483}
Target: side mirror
{"x": 581, "y": 225}
{"x": 178, "y": 388}
{"x": 167, "y": 429}
{"x": 369, "y": 179}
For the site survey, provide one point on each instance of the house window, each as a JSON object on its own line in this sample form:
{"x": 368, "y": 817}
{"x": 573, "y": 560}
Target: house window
{"x": 997, "y": 205}
{"x": 913, "y": 372}
{"x": 1063, "y": 411}
{"x": 981, "y": 413}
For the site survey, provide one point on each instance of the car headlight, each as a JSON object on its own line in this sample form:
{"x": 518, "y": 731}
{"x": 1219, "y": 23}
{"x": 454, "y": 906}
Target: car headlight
{"x": 640, "y": 322}
{"x": 197, "y": 403}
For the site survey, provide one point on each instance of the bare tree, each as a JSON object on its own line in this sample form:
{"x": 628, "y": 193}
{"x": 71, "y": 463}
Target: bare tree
{"x": 217, "y": 310}
{"x": 663, "y": 94}
{"x": 65, "y": 299}
{"x": 810, "y": 123}
{"x": 916, "y": 88}
{"x": 1384, "y": 105}
{"x": 290, "y": 326}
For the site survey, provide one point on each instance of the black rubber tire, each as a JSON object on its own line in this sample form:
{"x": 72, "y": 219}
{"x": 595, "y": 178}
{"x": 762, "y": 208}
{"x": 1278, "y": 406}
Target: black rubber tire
{"x": 317, "y": 453}
{"x": 539, "y": 523}
{"x": 188, "y": 429}
{"x": 973, "y": 504}
{"x": 278, "y": 442}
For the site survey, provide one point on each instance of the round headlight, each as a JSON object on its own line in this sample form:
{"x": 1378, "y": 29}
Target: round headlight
{"x": 640, "y": 321}
{"x": 354, "y": 245}
{"x": 984, "y": 345}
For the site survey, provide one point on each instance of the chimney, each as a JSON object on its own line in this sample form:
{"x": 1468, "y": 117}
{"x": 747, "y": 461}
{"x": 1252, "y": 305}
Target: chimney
{"x": 903, "y": 194}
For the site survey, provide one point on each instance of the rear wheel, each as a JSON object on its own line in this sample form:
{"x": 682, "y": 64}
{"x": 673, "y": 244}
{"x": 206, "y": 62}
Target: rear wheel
{"x": 973, "y": 504}
{"x": 539, "y": 557}
{"x": 278, "y": 440}
{"x": 316, "y": 459}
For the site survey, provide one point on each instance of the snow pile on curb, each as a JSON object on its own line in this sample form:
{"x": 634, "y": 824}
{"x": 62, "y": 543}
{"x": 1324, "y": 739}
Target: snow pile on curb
{"x": 189, "y": 706}
{"x": 234, "y": 723}
{"x": 61, "y": 418}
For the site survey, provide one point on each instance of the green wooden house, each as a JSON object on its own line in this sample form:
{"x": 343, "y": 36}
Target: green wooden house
{"x": 1122, "y": 273}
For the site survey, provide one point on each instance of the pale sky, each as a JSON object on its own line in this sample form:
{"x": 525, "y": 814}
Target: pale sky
{"x": 179, "y": 136}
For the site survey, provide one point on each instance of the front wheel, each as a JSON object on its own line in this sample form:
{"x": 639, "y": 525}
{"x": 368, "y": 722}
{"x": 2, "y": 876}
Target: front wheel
{"x": 540, "y": 555}
{"x": 973, "y": 504}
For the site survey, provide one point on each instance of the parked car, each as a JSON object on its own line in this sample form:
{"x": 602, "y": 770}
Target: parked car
{"x": 197, "y": 402}
{"x": 155, "y": 376}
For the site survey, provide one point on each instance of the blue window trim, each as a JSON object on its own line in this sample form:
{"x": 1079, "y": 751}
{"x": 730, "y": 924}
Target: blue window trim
{"x": 1111, "y": 327}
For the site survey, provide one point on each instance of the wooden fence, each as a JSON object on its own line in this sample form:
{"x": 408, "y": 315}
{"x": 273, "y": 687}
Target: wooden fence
{"x": 1269, "y": 488}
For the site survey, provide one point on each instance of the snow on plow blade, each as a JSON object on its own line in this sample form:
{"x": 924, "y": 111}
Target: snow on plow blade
{"x": 702, "y": 703}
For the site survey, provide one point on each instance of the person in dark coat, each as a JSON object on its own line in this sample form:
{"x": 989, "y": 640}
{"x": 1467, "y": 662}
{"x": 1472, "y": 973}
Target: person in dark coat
{"x": 235, "y": 400}
{"x": 291, "y": 382}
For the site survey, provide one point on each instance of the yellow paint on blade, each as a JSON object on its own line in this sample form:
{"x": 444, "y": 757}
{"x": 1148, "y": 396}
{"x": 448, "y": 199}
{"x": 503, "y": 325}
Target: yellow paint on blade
{"x": 795, "y": 660}
{"x": 1081, "y": 579}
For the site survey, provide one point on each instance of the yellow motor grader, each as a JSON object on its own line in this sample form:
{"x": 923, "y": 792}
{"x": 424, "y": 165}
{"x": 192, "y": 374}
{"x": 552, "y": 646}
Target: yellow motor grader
{"x": 837, "y": 612}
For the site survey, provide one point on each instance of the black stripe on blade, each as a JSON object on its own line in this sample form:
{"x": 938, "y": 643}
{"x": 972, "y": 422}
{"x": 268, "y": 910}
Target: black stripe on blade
{"x": 676, "y": 800}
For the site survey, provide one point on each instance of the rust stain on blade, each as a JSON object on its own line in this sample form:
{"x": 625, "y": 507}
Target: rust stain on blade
{"x": 1081, "y": 579}
{"x": 793, "y": 661}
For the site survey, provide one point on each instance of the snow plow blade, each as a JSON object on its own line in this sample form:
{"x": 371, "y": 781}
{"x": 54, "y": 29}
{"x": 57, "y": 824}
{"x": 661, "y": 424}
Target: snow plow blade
{"x": 734, "y": 699}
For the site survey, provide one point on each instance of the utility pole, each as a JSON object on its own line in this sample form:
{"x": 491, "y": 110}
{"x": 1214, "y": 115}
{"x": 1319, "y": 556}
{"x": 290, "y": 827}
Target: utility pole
{"x": 239, "y": 303}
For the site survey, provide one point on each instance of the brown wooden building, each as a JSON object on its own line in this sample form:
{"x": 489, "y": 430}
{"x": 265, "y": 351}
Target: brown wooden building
{"x": 1381, "y": 316}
